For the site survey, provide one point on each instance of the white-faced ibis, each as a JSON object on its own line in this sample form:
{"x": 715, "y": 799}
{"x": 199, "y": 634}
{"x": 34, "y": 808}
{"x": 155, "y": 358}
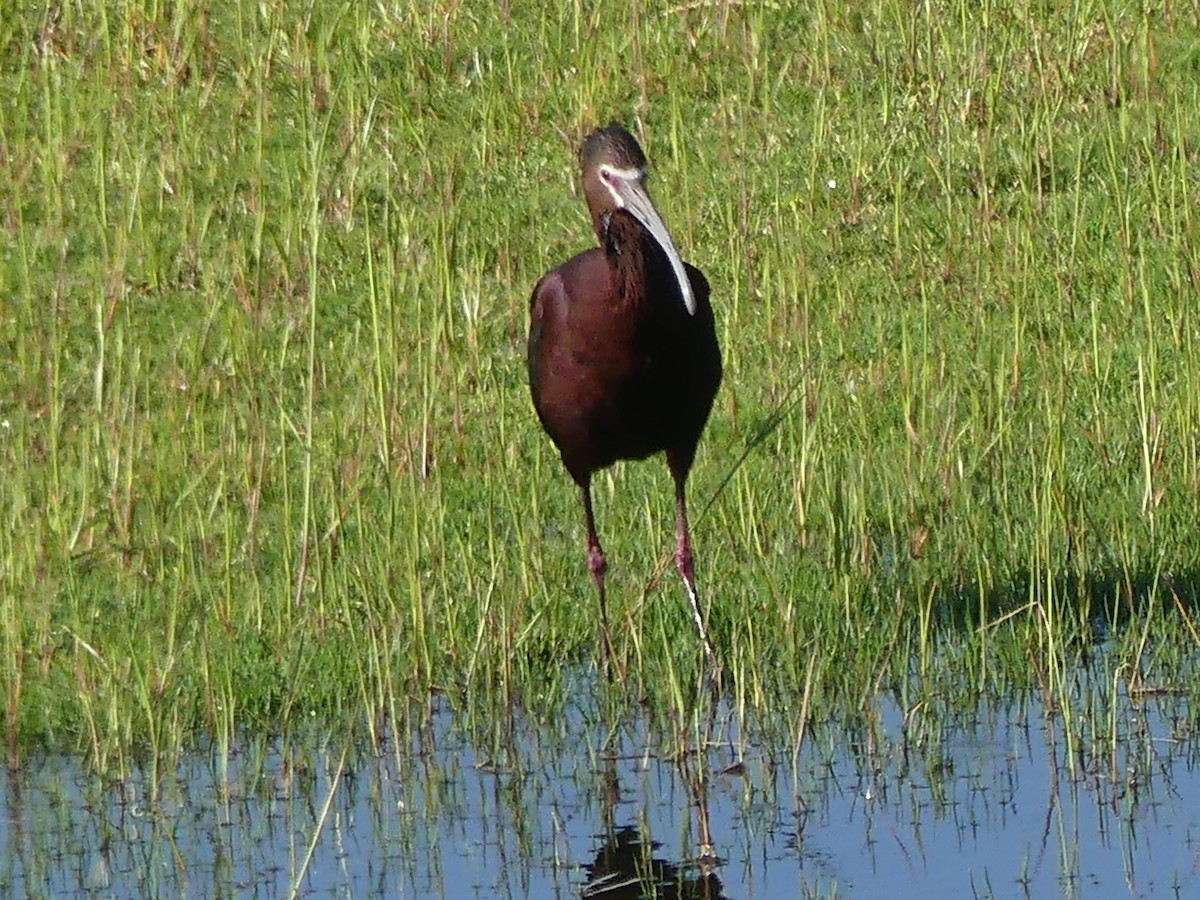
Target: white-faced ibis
{"x": 623, "y": 356}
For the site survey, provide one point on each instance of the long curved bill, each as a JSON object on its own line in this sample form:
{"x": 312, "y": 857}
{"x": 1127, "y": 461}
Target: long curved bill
{"x": 632, "y": 196}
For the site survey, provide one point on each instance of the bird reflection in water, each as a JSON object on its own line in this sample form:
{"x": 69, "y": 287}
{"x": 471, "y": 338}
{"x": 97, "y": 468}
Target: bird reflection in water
{"x": 626, "y": 867}
{"x": 625, "y": 864}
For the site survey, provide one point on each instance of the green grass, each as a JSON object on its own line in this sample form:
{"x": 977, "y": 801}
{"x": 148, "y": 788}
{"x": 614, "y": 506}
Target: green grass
{"x": 268, "y": 455}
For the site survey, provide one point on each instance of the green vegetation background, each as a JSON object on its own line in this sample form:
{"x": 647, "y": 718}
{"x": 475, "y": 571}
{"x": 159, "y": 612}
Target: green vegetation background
{"x": 266, "y": 451}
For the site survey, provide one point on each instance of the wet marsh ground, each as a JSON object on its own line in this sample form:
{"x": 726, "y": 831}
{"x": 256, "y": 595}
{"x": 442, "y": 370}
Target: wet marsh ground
{"x": 269, "y": 463}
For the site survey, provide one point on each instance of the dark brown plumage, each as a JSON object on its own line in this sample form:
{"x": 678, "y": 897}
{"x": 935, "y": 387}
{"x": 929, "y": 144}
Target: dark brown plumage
{"x": 623, "y": 356}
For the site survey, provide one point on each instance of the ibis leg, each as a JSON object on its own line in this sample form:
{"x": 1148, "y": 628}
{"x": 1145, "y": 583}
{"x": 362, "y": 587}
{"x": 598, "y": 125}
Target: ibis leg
{"x": 597, "y": 565}
{"x": 683, "y": 561}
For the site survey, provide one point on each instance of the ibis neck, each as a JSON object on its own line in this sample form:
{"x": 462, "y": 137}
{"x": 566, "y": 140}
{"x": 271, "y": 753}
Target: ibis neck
{"x": 631, "y": 253}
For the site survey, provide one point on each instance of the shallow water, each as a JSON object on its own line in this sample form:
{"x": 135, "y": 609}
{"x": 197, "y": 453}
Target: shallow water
{"x": 998, "y": 806}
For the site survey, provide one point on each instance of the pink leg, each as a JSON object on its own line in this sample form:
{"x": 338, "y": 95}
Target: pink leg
{"x": 683, "y": 546}
{"x": 683, "y": 562}
{"x": 597, "y": 565}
